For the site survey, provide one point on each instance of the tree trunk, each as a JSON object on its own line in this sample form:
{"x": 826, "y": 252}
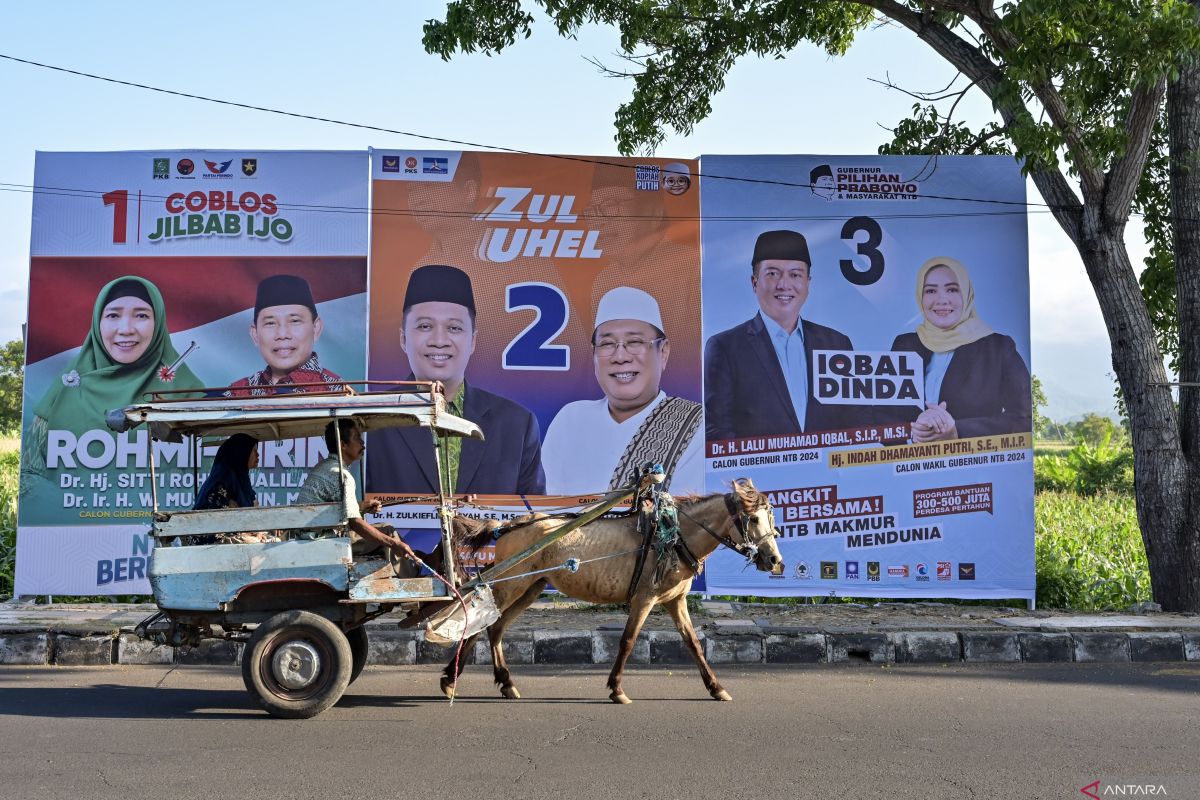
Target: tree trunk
{"x": 1163, "y": 482}
{"x": 1183, "y": 118}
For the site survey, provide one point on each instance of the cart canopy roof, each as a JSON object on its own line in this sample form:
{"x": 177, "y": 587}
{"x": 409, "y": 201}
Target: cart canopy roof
{"x": 288, "y": 416}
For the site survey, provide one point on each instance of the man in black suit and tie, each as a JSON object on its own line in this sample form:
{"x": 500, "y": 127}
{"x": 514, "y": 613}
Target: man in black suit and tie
{"x": 758, "y": 375}
{"x": 439, "y": 337}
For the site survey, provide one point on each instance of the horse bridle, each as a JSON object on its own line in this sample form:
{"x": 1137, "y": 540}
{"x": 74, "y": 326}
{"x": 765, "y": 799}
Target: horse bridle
{"x": 741, "y": 521}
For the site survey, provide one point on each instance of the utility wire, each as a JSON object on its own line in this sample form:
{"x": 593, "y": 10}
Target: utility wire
{"x": 444, "y": 140}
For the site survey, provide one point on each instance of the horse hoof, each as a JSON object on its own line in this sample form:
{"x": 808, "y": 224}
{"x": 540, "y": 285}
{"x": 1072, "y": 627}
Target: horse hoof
{"x": 722, "y": 695}
{"x": 620, "y": 698}
{"x": 510, "y": 692}
{"x": 448, "y": 688}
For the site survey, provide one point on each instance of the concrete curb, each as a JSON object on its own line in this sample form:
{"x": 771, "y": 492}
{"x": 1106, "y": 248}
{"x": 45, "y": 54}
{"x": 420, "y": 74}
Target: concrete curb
{"x": 744, "y": 644}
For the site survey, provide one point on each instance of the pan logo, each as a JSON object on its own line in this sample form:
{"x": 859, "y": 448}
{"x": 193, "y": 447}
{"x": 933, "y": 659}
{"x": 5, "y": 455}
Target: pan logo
{"x": 851, "y": 570}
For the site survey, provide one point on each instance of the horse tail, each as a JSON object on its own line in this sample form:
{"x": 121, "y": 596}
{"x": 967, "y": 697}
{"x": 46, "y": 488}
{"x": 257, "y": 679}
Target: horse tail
{"x": 472, "y": 534}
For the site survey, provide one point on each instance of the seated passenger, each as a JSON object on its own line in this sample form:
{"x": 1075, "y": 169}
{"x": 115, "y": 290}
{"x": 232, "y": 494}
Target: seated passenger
{"x": 326, "y": 483}
{"x": 228, "y": 486}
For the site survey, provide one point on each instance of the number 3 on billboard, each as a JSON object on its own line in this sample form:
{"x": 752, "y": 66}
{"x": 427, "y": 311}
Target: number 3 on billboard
{"x": 531, "y": 350}
{"x": 119, "y": 199}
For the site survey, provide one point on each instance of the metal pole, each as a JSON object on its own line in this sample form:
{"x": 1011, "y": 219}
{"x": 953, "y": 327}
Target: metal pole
{"x": 150, "y": 456}
{"x": 445, "y": 513}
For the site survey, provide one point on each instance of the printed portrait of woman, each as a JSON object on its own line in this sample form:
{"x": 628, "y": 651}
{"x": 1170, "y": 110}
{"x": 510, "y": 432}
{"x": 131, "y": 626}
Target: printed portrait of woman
{"x": 126, "y": 354}
{"x": 976, "y": 383}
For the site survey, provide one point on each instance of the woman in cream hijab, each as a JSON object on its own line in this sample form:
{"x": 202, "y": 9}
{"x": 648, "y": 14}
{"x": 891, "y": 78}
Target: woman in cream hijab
{"x": 976, "y": 384}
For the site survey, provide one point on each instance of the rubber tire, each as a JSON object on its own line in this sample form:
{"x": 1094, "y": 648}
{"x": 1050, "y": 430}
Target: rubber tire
{"x": 358, "y": 651}
{"x": 290, "y": 626}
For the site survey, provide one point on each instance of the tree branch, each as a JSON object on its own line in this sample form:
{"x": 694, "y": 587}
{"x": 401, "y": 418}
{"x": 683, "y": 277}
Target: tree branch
{"x": 1090, "y": 176}
{"x": 1122, "y": 180}
{"x": 969, "y": 60}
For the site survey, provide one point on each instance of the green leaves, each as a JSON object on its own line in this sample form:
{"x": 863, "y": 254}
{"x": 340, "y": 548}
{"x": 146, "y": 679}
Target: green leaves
{"x": 12, "y": 366}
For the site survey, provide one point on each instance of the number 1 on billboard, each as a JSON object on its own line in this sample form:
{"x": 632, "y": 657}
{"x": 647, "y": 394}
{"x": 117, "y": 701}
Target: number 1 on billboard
{"x": 119, "y": 199}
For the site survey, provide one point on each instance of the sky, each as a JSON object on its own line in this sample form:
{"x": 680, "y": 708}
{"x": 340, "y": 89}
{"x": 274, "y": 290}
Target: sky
{"x": 363, "y": 62}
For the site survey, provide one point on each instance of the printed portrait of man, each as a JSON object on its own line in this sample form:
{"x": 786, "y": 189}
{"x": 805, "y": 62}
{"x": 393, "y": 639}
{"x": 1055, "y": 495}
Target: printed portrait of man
{"x": 677, "y": 178}
{"x": 820, "y": 181}
{"x": 596, "y": 445}
{"x": 758, "y": 375}
{"x": 438, "y": 336}
{"x": 285, "y": 329}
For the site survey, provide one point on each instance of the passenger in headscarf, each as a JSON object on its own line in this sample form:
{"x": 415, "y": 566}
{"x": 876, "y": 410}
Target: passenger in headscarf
{"x": 127, "y": 353}
{"x": 228, "y": 486}
{"x": 228, "y": 483}
{"x": 976, "y": 383}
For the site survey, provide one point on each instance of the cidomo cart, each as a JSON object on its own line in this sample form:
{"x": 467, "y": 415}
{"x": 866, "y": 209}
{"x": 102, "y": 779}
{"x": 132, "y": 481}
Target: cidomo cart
{"x": 300, "y": 605}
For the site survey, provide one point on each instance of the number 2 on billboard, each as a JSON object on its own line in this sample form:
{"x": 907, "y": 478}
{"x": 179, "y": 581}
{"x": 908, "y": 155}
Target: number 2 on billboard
{"x": 531, "y": 349}
{"x": 119, "y": 199}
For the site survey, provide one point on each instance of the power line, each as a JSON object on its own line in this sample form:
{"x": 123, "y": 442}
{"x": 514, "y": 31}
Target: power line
{"x": 464, "y": 143}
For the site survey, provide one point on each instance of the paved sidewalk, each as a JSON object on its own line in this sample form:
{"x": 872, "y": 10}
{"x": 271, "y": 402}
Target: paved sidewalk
{"x": 557, "y": 632}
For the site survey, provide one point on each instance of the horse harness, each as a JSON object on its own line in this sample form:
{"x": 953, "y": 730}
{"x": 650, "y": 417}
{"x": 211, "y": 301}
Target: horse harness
{"x": 659, "y": 525}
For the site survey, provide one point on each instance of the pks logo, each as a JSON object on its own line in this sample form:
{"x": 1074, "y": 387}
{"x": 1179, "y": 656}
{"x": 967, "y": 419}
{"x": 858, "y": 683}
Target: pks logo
{"x": 966, "y": 571}
{"x": 829, "y": 570}
{"x": 851, "y": 570}
{"x": 433, "y": 165}
{"x": 249, "y": 167}
{"x": 873, "y": 571}
{"x": 944, "y": 572}
{"x": 922, "y": 572}
{"x": 802, "y": 571}
{"x": 391, "y": 163}
{"x": 162, "y": 169}
{"x": 410, "y": 164}
{"x": 185, "y": 166}
{"x": 217, "y": 167}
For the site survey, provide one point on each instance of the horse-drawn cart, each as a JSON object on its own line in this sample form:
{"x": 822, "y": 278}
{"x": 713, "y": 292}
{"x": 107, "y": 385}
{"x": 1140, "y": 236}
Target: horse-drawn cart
{"x": 300, "y": 604}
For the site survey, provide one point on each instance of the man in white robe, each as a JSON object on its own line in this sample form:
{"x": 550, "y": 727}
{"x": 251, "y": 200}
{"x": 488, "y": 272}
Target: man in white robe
{"x": 593, "y": 446}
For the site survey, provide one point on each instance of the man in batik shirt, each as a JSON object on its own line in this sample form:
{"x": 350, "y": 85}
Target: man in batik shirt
{"x": 285, "y": 329}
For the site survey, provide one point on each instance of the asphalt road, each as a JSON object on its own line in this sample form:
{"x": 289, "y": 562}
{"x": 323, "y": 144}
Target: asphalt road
{"x": 964, "y": 731}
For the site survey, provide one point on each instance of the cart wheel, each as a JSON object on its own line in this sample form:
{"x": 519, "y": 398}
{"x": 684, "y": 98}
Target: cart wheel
{"x": 297, "y": 664}
{"x": 358, "y": 649}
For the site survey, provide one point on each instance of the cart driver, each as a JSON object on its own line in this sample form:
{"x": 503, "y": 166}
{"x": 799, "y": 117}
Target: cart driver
{"x": 324, "y": 484}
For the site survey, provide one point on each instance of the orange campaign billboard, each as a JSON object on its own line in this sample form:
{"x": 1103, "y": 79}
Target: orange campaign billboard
{"x": 562, "y": 294}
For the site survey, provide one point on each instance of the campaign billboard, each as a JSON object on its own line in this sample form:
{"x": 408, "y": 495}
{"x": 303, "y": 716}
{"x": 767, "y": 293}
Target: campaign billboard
{"x": 560, "y": 294}
{"x": 171, "y": 272}
{"x": 866, "y": 363}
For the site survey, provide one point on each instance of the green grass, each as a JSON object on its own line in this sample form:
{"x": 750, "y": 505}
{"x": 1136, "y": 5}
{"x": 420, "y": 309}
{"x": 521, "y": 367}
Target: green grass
{"x": 1089, "y": 552}
{"x": 9, "y": 471}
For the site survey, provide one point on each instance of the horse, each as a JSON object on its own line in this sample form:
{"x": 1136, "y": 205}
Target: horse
{"x": 607, "y": 551}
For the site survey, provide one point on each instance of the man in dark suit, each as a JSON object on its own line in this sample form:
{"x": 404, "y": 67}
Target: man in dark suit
{"x": 758, "y": 375}
{"x": 439, "y": 337}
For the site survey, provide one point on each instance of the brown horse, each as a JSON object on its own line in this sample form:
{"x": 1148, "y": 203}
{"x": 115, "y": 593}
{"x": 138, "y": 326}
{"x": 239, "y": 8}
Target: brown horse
{"x": 607, "y": 550}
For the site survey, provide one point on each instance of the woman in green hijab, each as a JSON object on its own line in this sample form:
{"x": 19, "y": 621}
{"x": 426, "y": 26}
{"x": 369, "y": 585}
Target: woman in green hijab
{"x": 127, "y": 353}
{"x": 976, "y": 383}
